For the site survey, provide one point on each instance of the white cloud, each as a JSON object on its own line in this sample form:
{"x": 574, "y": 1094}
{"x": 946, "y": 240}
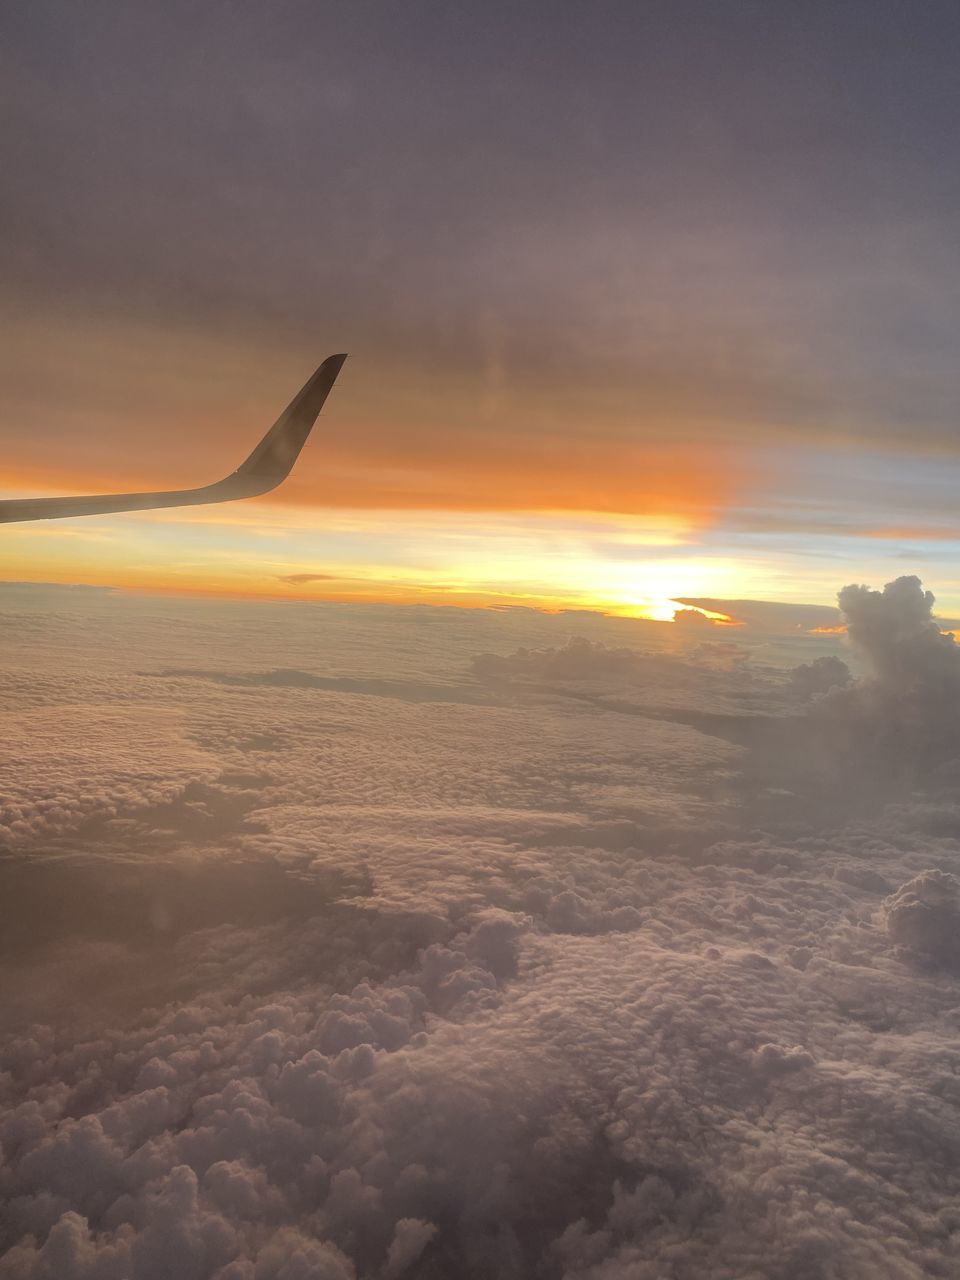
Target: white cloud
{"x": 924, "y": 915}
{"x": 902, "y": 720}
{"x": 511, "y": 988}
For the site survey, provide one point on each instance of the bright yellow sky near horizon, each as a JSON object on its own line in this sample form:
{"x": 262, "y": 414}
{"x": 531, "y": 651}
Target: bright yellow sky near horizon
{"x": 651, "y": 322}
{"x": 432, "y": 485}
{"x": 260, "y": 550}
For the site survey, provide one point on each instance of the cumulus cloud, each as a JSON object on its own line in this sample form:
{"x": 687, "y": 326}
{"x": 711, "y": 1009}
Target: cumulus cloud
{"x": 579, "y": 659}
{"x": 904, "y": 717}
{"x": 813, "y": 679}
{"x": 897, "y": 632}
{"x": 91, "y": 763}
{"x": 858, "y": 743}
{"x": 777, "y": 1059}
{"x": 693, "y": 618}
{"x": 924, "y": 915}
{"x": 675, "y": 676}
{"x": 410, "y": 1239}
{"x": 489, "y": 988}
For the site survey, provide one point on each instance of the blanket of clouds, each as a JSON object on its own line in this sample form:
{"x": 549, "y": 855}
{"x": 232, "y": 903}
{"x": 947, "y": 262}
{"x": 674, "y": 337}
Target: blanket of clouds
{"x": 347, "y": 942}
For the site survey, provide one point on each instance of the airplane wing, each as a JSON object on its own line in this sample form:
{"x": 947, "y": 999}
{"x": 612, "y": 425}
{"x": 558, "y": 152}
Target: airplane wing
{"x": 268, "y": 465}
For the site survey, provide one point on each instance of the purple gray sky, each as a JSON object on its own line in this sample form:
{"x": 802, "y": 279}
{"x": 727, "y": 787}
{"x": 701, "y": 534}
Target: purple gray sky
{"x": 672, "y": 286}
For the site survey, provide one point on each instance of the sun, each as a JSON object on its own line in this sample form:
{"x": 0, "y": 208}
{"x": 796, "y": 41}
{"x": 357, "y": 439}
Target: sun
{"x": 664, "y": 610}
{"x": 654, "y": 610}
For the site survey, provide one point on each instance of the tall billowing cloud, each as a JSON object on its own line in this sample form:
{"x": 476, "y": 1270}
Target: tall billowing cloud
{"x": 906, "y": 713}
{"x": 813, "y": 679}
{"x": 896, "y": 631}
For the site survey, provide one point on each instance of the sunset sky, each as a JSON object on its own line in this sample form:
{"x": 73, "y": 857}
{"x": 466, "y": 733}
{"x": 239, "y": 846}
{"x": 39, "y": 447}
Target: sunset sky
{"x": 642, "y": 301}
{"x": 607, "y": 925}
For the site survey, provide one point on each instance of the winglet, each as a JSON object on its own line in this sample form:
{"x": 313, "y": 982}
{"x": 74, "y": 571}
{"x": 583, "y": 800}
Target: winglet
{"x": 267, "y": 466}
{"x": 273, "y": 458}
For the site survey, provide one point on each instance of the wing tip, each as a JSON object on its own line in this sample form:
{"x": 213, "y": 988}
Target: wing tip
{"x": 328, "y": 370}
{"x": 268, "y": 465}
{"x": 272, "y": 460}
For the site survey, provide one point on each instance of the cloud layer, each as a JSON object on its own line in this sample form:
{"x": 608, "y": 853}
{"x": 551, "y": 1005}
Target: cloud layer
{"x": 318, "y": 978}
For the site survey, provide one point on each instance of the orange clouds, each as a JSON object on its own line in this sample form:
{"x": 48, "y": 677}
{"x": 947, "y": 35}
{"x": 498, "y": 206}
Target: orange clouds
{"x": 378, "y": 468}
{"x": 112, "y": 411}
{"x": 479, "y": 471}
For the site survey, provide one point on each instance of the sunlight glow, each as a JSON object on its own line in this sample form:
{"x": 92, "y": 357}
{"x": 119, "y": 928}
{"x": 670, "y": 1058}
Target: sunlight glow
{"x": 668, "y": 610}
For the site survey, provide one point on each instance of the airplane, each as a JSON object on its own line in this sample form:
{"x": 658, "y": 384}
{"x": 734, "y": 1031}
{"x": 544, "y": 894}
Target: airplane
{"x": 269, "y": 464}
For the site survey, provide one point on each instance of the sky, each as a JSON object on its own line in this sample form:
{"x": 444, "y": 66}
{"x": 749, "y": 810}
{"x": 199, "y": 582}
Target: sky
{"x": 604, "y": 927}
{"x": 642, "y": 301}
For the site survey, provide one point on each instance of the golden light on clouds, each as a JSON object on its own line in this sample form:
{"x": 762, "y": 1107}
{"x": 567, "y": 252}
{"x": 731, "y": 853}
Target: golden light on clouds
{"x": 631, "y": 567}
{"x": 437, "y": 484}
{"x": 143, "y": 406}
